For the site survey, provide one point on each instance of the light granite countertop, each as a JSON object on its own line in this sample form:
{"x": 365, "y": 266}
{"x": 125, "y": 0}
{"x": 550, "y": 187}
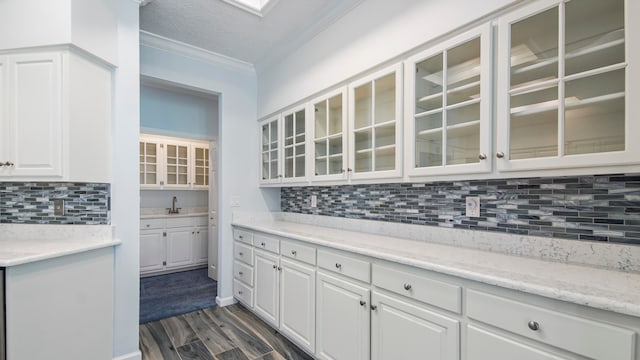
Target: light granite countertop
{"x": 25, "y": 243}
{"x": 596, "y": 287}
{"x": 155, "y": 213}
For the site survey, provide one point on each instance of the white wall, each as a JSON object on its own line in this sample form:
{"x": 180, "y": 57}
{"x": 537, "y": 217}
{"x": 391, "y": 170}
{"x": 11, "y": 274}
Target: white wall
{"x": 238, "y": 145}
{"x": 163, "y": 198}
{"x": 374, "y": 32}
{"x": 125, "y": 189}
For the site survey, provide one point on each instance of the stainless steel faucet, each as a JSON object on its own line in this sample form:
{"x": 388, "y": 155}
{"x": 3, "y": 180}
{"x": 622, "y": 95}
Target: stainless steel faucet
{"x": 173, "y": 209}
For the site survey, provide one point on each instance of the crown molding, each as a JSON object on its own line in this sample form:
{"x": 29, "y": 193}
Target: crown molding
{"x": 193, "y": 52}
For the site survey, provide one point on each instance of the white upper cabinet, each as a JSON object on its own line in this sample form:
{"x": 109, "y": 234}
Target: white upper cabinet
{"x": 567, "y": 83}
{"x": 294, "y": 145}
{"x": 375, "y": 126}
{"x": 329, "y": 129}
{"x": 448, "y": 106}
{"x": 150, "y": 175}
{"x": 270, "y": 151}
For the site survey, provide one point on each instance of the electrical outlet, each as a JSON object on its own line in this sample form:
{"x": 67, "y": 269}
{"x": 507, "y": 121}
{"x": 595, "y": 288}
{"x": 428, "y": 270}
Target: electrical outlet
{"x": 314, "y": 201}
{"x": 58, "y": 207}
{"x": 473, "y": 206}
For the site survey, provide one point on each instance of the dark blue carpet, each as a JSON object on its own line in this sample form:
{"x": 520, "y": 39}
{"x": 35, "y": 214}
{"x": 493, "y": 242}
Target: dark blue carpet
{"x": 169, "y": 295}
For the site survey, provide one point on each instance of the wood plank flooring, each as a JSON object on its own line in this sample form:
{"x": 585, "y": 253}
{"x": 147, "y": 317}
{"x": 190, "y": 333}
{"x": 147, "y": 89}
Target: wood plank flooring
{"x": 228, "y": 333}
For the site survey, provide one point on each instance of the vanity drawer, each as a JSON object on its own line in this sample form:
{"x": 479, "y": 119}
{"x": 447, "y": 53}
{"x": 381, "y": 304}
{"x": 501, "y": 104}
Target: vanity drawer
{"x": 267, "y": 243}
{"x": 581, "y": 336}
{"x": 243, "y": 293}
{"x": 200, "y": 221}
{"x": 243, "y": 272}
{"x": 298, "y": 251}
{"x": 243, "y": 236}
{"x": 415, "y": 284}
{"x": 345, "y": 265}
{"x": 149, "y": 224}
{"x": 179, "y": 222}
{"x": 243, "y": 252}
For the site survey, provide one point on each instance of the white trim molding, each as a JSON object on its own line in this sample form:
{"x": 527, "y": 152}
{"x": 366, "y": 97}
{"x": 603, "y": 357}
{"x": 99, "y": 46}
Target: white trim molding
{"x": 177, "y": 47}
{"x": 137, "y": 355}
{"x": 222, "y": 302}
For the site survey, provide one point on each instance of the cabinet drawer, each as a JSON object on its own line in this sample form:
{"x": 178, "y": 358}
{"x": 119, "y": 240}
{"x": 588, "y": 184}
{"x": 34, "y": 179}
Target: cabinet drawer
{"x": 179, "y": 222}
{"x": 417, "y": 285}
{"x": 345, "y": 265}
{"x": 243, "y": 253}
{"x": 200, "y": 221}
{"x": 243, "y": 293}
{"x": 147, "y": 224}
{"x": 483, "y": 344}
{"x": 581, "y": 336}
{"x": 298, "y": 251}
{"x": 266, "y": 243}
{"x": 243, "y": 236}
{"x": 243, "y": 272}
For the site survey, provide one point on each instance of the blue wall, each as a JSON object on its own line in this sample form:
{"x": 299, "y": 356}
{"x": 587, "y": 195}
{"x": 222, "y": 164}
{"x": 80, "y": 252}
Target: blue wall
{"x": 177, "y": 113}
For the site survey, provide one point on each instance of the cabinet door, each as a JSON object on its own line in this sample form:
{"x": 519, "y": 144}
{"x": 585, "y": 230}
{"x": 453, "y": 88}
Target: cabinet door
{"x": 150, "y": 167}
{"x": 375, "y": 125}
{"x": 270, "y": 151}
{"x": 343, "y": 317}
{"x": 403, "y": 331}
{"x": 297, "y": 303}
{"x": 177, "y": 160}
{"x": 4, "y": 101}
{"x": 201, "y": 246}
{"x": 151, "y": 250}
{"x": 563, "y": 86}
{"x": 179, "y": 247}
{"x": 482, "y": 345}
{"x": 329, "y": 129}
{"x": 33, "y": 128}
{"x": 294, "y": 145}
{"x": 266, "y": 286}
{"x": 448, "y": 107}
{"x": 200, "y": 168}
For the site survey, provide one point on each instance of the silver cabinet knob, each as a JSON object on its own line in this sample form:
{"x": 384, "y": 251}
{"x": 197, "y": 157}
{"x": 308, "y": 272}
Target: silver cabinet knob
{"x": 262, "y": 244}
{"x": 275, "y": 266}
{"x": 294, "y": 253}
{"x": 407, "y": 287}
{"x": 338, "y": 266}
{"x": 349, "y": 169}
{"x": 279, "y": 268}
{"x": 499, "y": 154}
{"x": 241, "y": 237}
{"x": 240, "y": 273}
{"x": 363, "y": 303}
{"x": 374, "y": 307}
{"x": 533, "y": 325}
{"x": 482, "y": 156}
{"x": 239, "y": 292}
{"x": 240, "y": 254}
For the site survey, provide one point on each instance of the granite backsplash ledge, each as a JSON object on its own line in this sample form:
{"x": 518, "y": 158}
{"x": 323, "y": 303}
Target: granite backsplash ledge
{"x": 33, "y": 203}
{"x": 604, "y": 208}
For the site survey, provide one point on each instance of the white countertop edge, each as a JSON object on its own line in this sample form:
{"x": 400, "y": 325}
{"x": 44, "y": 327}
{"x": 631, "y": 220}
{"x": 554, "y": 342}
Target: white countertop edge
{"x": 580, "y": 298}
{"x": 167, "y": 216}
{"x": 25, "y": 259}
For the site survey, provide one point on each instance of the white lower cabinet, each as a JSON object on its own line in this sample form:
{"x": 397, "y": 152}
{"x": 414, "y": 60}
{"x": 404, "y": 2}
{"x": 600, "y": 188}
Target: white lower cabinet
{"x": 343, "y": 319}
{"x": 201, "y": 245}
{"x": 266, "y": 286}
{"x": 401, "y": 330}
{"x": 298, "y": 303}
{"x": 152, "y": 253}
{"x": 179, "y": 247}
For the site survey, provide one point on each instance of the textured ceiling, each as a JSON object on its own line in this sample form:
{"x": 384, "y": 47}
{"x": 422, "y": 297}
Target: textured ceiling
{"x": 225, "y": 29}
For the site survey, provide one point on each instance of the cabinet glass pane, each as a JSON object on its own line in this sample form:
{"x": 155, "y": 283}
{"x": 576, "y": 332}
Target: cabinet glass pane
{"x": 288, "y": 167}
{"x": 534, "y": 49}
{"x": 151, "y": 179}
{"x": 274, "y": 134}
{"x": 299, "y": 169}
{"x": 534, "y": 124}
{"x": 321, "y": 166}
{"x": 385, "y": 135}
{"x": 363, "y": 146}
{"x": 335, "y": 115}
{"x": 363, "y": 106}
{"x": 172, "y": 153}
{"x": 265, "y": 166}
{"x": 594, "y": 34}
{"x": 265, "y": 137}
{"x": 429, "y": 140}
{"x": 385, "y": 99}
{"x": 463, "y": 144}
{"x": 594, "y": 114}
{"x": 320, "y": 115}
{"x": 429, "y": 84}
{"x": 288, "y": 130}
{"x": 463, "y": 72}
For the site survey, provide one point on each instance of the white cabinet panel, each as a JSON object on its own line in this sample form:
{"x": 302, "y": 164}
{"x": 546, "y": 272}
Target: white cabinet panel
{"x": 343, "y": 319}
{"x": 297, "y": 303}
{"x": 201, "y": 246}
{"x": 482, "y": 345}
{"x": 266, "y": 286}
{"x": 402, "y": 331}
{"x": 151, "y": 250}
{"x": 179, "y": 247}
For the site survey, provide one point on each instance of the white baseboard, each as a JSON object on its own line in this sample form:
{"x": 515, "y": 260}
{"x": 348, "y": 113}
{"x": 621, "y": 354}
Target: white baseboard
{"x": 137, "y": 355}
{"x": 225, "y": 301}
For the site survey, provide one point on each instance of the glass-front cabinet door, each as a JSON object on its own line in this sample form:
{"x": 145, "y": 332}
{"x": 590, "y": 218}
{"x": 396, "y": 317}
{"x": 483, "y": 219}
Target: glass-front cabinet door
{"x": 329, "y": 124}
{"x": 375, "y": 125}
{"x": 270, "y": 151}
{"x": 177, "y": 162}
{"x": 294, "y": 145}
{"x": 150, "y": 175}
{"x": 200, "y": 169}
{"x": 566, "y": 85}
{"x": 448, "y": 106}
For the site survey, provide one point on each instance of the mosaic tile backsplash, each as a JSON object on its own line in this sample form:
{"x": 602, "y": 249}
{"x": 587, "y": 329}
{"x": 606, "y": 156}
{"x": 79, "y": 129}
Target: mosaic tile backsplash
{"x": 32, "y": 203}
{"x": 595, "y": 208}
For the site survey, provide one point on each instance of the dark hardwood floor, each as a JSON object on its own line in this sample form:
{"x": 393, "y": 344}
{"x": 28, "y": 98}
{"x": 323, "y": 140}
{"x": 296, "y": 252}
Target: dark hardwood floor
{"x": 228, "y": 333}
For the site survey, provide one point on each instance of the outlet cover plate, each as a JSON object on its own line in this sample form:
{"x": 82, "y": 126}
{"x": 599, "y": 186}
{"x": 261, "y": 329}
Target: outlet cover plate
{"x": 473, "y": 206}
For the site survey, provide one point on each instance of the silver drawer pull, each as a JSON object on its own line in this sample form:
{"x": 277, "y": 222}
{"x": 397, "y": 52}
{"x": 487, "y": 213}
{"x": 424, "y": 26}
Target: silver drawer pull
{"x": 241, "y": 237}
{"x": 240, "y": 253}
{"x": 240, "y": 273}
{"x": 533, "y": 325}
{"x": 294, "y": 253}
{"x": 275, "y": 266}
{"x": 374, "y": 307}
{"x": 363, "y": 303}
{"x": 262, "y": 244}
{"x": 338, "y": 266}
{"x": 407, "y": 287}
{"x": 239, "y": 292}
